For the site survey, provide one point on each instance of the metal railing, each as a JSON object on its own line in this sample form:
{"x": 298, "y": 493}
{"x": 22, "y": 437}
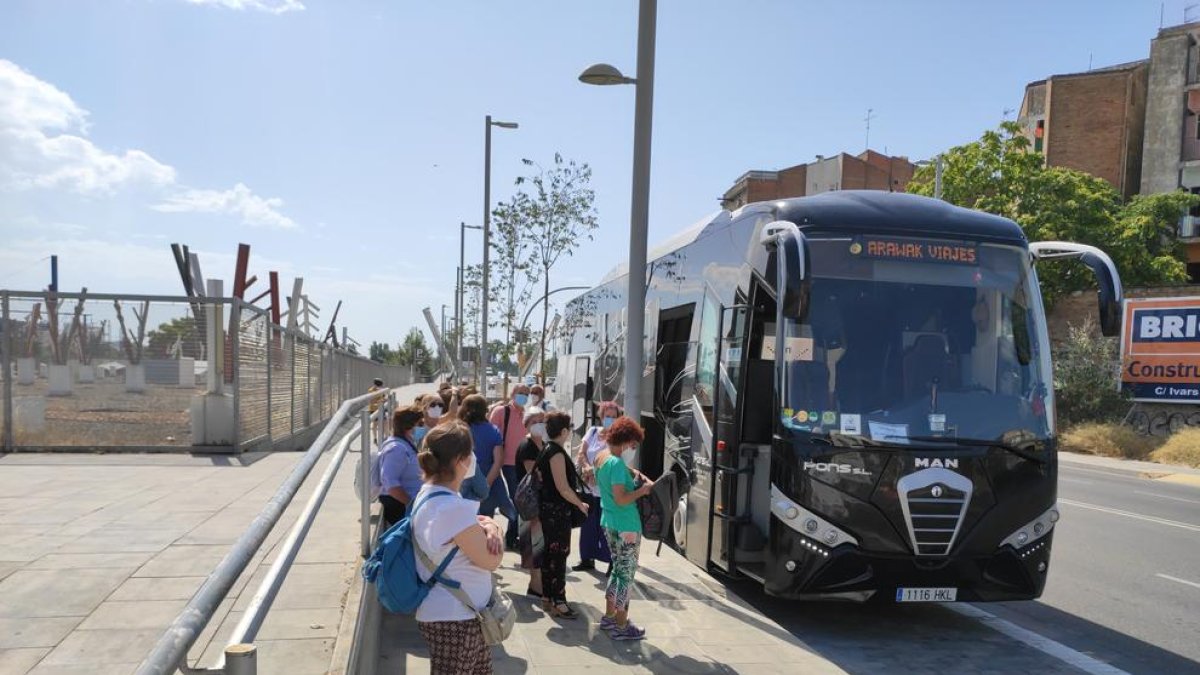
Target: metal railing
{"x": 240, "y": 655}
{"x": 159, "y": 372}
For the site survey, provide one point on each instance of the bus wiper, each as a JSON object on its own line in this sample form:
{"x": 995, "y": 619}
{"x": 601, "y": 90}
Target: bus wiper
{"x": 1013, "y": 447}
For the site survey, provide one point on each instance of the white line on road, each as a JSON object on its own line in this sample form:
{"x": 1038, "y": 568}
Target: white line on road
{"x": 1182, "y": 581}
{"x": 1039, "y": 642}
{"x": 1128, "y": 514}
{"x": 1155, "y": 494}
{"x": 1064, "y": 479}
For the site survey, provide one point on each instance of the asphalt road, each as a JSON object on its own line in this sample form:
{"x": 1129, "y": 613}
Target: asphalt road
{"x": 1123, "y": 595}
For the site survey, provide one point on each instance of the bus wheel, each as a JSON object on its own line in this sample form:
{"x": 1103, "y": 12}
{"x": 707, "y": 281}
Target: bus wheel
{"x": 679, "y": 522}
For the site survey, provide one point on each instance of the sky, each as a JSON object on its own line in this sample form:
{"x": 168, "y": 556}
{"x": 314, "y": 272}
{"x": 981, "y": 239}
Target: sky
{"x": 343, "y": 139}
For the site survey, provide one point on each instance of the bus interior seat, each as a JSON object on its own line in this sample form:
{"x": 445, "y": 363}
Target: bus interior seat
{"x": 758, "y": 416}
{"x": 928, "y": 358}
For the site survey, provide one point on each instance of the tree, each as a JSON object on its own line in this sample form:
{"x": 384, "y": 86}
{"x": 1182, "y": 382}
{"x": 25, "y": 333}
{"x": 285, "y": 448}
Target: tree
{"x": 414, "y": 352}
{"x": 558, "y": 213}
{"x": 184, "y": 332}
{"x": 380, "y": 352}
{"x": 515, "y": 276}
{"x": 1000, "y": 174}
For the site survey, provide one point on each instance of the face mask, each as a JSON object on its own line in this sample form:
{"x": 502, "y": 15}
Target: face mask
{"x": 418, "y": 433}
{"x": 607, "y": 422}
{"x": 629, "y": 457}
{"x": 435, "y": 412}
{"x": 470, "y": 467}
{"x": 534, "y": 399}
{"x": 538, "y": 430}
{"x": 521, "y": 399}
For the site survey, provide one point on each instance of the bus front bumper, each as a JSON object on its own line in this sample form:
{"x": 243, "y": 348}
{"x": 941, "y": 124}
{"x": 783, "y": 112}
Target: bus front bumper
{"x": 801, "y": 568}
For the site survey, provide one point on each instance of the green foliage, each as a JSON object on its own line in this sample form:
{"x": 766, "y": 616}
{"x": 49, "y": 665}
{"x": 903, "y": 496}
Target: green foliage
{"x": 381, "y": 353}
{"x": 184, "y": 331}
{"x": 1086, "y": 371}
{"x": 1001, "y": 175}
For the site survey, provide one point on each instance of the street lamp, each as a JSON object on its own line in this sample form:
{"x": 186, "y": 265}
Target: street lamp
{"x": 487, "y": 232}
{"x": 643, "y": 119}
{"x": 460, "y": 292}
{"x": 937, "y": 174}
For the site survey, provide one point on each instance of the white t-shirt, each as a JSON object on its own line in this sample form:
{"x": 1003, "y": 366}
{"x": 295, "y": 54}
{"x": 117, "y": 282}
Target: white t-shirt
{"x": 593, "y": 444}
{"x": 434, "y": 528}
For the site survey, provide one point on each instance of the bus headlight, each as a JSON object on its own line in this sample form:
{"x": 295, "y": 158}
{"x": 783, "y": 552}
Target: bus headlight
{"x": 1033, "y": 530}
{"x": 806, "y": 522}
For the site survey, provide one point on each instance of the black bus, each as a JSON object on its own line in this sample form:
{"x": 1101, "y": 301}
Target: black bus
{"x": 854, "y": 390}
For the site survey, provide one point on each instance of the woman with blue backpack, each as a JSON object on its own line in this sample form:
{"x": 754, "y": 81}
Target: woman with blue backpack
{"x": 399, "y": 473}
{"x": 447, "y": 525}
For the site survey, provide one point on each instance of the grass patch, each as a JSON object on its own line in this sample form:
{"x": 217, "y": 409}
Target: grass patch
{"x": 1182, "y": 447}
{"x": 1110, "y": 440}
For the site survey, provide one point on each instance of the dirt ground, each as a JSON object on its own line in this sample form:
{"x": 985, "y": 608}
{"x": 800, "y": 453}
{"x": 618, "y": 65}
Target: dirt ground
{"x": 104, "y": 414}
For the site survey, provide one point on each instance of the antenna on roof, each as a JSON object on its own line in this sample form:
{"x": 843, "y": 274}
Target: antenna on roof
{"x": 1187, "y": 9}
{"x": 867, "y": 119}
{"x": 1089, "y": 62}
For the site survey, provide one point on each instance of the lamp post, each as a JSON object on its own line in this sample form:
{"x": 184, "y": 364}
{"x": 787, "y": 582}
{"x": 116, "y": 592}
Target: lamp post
{"x": 487, "y": 235}
{"x": 643, "y": 119}
{"x": 937, "y": 174}
{"x": 460, "y": 292}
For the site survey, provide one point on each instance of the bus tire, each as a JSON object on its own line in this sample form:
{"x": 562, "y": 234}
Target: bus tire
{"x": 679, "y": 522}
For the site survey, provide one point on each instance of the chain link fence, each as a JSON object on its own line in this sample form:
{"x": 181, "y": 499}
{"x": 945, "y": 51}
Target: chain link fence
{"x": 131, "y": 372}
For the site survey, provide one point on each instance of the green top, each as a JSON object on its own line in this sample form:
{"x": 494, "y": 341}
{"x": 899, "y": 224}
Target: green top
{"x": 613, "y": 516}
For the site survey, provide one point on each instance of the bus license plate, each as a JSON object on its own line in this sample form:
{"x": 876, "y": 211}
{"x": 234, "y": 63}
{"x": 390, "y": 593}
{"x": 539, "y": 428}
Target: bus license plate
{"x": 926, "y": 594}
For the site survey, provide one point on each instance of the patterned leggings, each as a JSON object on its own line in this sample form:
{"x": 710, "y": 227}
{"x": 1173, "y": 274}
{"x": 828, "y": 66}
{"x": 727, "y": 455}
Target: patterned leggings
{"x": 624, "y": 547}
{"x": 556, "y": 532}
{"x": 456, "y": 647}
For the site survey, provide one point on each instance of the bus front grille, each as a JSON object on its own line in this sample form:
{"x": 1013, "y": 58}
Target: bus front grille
{"x": 934, "y": 502}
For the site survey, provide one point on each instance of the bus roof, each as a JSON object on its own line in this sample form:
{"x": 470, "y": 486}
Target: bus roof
{"x": 895, "y": 213}
{"x": 874, "y": 211}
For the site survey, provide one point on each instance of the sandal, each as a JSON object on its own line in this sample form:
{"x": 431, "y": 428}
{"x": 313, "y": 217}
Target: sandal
{"x": 561, "y": 610}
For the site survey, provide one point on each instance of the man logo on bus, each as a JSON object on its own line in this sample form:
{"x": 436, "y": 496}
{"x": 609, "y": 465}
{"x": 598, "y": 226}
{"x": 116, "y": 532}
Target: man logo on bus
{"x": 935, "y": 463}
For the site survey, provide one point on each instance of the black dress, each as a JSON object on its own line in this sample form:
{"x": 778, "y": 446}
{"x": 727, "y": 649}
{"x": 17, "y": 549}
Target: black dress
{"x": 555, "y": 516}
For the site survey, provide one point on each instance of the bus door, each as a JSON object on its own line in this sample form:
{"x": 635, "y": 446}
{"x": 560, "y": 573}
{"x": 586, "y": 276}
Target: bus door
{"x": 581, "y": 393}
{"x": 727, "y": 514}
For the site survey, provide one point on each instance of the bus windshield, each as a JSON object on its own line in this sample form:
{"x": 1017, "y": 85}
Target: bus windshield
{"x": 910, "y": 338}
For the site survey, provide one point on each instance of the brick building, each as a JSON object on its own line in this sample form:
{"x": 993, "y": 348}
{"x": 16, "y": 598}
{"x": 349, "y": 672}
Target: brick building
{"x": 1092, "y": 121}
{"x": 868, "y": 170}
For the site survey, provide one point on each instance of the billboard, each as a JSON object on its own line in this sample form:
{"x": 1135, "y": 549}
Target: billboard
{"x": 1160, "y": 349}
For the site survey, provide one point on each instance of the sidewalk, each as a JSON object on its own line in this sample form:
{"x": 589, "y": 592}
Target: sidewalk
{"x": 1172, "y": 473}
{"x": 99, "y": 553}
{"x": 693, "y": 625}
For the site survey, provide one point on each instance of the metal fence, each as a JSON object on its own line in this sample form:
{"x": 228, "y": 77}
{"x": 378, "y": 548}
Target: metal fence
{"x": 114, "y": 371}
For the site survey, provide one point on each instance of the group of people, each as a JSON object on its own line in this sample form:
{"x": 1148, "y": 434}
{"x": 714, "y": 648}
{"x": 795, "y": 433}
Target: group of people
{"x": 452, "y": 442}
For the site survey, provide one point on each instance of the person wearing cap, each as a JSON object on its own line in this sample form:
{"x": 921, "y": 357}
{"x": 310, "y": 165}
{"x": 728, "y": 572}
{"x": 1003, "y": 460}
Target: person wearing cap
{"x": 376, "y": 401}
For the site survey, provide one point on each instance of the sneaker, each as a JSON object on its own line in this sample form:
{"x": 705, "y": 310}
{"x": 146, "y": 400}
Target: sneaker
{"x": 607, "y": 623}
{"x": 584, "y": 565}
{"x": 629, "y": 632}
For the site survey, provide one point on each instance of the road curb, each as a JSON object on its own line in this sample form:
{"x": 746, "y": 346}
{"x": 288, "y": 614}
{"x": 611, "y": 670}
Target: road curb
{"x": 1180, "y": 479}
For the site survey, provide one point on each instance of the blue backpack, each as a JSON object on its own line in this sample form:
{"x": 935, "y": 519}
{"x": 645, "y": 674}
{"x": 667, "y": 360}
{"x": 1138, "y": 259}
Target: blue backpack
{"x": 393, "y": 566}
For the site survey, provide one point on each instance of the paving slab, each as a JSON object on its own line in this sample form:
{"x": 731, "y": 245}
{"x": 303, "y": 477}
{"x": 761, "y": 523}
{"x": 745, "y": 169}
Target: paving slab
{"x": 20, "y": 661}
{"x": 693, "y": 625}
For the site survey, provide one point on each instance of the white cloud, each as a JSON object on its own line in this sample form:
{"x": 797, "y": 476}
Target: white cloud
{"x": 270, "y": 6}
{"x": 30, "y": 157}
{"x": 238, "y": 200}
{"x": 44, "y": 146}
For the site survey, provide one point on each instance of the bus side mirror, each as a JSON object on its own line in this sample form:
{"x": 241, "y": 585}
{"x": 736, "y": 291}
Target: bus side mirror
{"x": 792, "y": 281}
{"x": 1110, "y": 295}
